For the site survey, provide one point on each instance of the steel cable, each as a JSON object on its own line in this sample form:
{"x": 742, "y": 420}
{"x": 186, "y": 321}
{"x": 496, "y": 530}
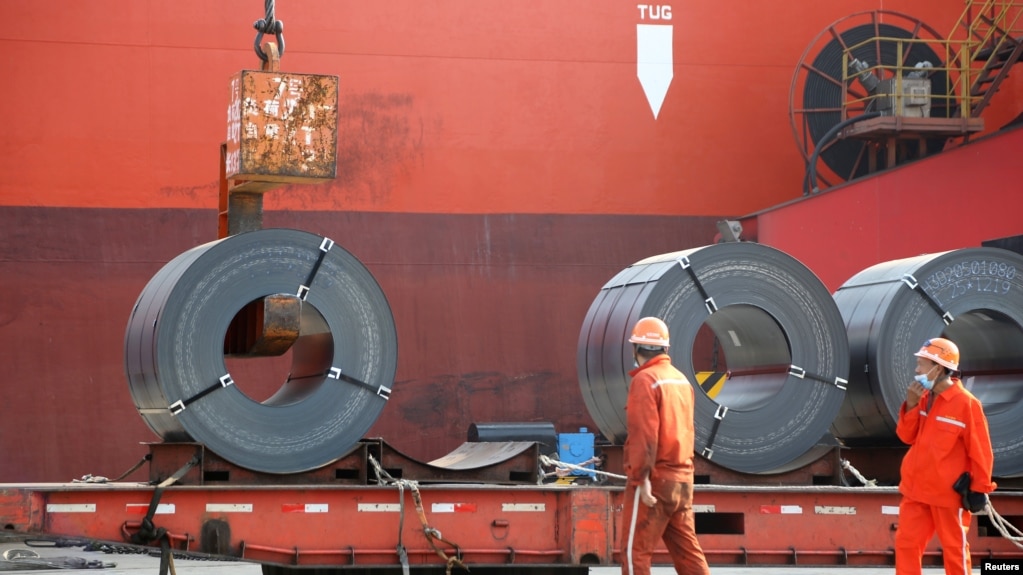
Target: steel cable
{"x": 269, "y": 25}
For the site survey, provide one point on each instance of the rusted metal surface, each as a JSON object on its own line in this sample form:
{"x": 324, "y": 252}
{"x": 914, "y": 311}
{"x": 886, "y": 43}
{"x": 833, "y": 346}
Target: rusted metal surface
{"x": 496, "y": 463}
{"x": 213, "y": 470}
{"x": 475, "y": 455}
{"x": 823, "y": 471}
{"x": 892, "y": 135}
{"x": 239, "y": 205}
{"x": 821, "y": 526}
{"x": 19, "y": 509}
{"x": 293, "y": 521}
{"x": 906, "y": 127}
{"x": 454, "y": 368}
{"x": 223, "y": 194}
{"x": 266, "y": 327}
{"x": 282, "y": 128}
{"x": 491, "y": 525}
{"x": 244, "y": 211}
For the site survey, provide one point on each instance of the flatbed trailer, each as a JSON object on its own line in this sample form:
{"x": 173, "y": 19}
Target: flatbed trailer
{"x": 489, "y": 527}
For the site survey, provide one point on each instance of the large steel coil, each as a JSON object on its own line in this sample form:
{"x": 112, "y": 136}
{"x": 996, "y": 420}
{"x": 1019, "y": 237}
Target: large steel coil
{"x": 972, "y": 296}
{"x": 773, "y": 321}
{"x": 343, "y": 362}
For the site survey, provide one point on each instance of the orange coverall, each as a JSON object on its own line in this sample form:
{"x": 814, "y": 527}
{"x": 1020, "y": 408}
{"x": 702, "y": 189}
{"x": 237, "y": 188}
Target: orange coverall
{"x": 659, "y": 413}
{"x": 947, "y": 434}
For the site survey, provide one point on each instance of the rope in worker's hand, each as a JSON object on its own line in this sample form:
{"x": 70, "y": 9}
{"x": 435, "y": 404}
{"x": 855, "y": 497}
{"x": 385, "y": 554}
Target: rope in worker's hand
{"x": 1008, "y": 530}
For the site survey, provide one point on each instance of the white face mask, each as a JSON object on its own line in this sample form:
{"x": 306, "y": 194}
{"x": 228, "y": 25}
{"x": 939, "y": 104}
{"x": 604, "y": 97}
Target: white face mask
{"x": 922, "y": 380}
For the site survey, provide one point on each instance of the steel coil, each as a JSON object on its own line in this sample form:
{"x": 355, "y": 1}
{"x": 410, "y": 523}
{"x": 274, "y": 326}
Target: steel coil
{"x": 346, "y": 351}
{"x": 773, "y": 321}
{"x": 972, "y": 296}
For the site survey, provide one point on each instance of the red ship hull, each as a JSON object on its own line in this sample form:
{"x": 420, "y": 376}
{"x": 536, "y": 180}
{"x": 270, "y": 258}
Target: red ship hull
{"x": 496, "y": 165}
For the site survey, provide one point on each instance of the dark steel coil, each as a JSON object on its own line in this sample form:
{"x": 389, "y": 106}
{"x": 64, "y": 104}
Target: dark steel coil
{"x": 981, "y": 291}
{"x": 174, "y": 351}
{"x": 772, "y": 318}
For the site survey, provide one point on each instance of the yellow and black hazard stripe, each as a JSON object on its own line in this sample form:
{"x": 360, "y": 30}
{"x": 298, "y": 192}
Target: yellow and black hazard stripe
{"x": 711, "y": 382}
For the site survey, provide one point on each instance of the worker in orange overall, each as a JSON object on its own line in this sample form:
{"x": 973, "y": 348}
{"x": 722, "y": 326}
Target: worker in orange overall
{"x": 658, "y": 458}
{"x": 949, "y": 445}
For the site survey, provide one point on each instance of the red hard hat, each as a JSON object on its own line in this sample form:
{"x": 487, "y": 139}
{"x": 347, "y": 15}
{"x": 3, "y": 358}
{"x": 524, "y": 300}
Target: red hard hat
{"x": 650, "y": 331}
{"x": 941, "y": 351}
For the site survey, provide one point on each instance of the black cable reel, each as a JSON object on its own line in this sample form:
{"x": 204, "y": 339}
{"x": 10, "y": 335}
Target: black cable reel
{"x": 820, "y": 88}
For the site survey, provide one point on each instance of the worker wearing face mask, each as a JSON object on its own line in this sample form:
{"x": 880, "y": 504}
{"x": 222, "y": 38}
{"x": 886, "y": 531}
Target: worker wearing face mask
{"x": 949, "y": 450}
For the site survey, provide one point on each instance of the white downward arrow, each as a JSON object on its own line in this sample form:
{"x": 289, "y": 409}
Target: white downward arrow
{"x": 654, "y": 65}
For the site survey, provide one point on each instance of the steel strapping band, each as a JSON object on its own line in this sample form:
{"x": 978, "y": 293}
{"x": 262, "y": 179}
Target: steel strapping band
{"x": 719, "y": 415}
{"x": 708, "y": 301}
{"x": 801, "y": 373}
{"x": 382, "y": 391}
{"x": 303, "y": 290}
{"x": 914, "y": 285}
{"x": 179, "y": 405}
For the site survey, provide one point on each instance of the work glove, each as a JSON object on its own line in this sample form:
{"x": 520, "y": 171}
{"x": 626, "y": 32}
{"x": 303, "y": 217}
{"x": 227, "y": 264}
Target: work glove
{"x": 972, "y": 500}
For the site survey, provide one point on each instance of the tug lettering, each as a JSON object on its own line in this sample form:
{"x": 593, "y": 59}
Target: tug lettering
{"x": 654, "y": 12}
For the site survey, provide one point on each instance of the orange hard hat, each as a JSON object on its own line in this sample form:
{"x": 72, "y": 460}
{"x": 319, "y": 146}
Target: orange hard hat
{"x": 650, "y": 331}
{"x": 941, "y": 351}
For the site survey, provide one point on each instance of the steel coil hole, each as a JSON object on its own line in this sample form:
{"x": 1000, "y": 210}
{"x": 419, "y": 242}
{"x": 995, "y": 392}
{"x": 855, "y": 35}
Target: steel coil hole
{"x": 741, "y": 357}
{"x": 992, "y": 365}
{"x": 277, "y": 378}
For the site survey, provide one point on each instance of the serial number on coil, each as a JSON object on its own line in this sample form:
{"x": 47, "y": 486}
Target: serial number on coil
{"x": 980, "y": 276}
